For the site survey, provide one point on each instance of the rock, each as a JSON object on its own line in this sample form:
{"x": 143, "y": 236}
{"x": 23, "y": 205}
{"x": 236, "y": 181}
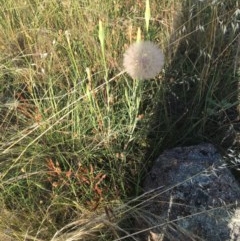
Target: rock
{"x": 196, "y": 197}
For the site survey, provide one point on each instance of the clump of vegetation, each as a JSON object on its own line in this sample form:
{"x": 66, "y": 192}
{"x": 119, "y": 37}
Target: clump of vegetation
{"x": 78, "y": 134}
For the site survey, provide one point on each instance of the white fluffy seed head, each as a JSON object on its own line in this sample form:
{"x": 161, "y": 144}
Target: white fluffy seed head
{"x": 143, "y": 60}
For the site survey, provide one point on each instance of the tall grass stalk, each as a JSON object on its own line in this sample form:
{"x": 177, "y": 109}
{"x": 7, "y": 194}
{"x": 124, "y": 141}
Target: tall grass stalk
{"x": 101, "y": 35}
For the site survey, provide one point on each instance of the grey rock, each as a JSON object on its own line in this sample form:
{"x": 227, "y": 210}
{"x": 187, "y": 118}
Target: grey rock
{"x": 198, "y": 199}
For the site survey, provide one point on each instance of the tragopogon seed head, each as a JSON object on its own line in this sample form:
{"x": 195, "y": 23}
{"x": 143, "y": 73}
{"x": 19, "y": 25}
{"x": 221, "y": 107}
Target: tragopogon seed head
{"x": 143, "y": 60}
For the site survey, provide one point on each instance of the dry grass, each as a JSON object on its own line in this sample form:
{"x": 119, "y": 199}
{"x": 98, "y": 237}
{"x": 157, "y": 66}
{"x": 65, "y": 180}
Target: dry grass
{"x": 77, "y": 134}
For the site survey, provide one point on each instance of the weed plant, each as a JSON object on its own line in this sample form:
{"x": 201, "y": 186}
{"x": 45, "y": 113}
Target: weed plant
{"x": 77, "y": 134}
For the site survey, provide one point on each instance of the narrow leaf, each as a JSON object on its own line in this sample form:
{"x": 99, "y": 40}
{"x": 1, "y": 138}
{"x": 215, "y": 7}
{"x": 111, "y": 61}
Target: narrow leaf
{"x": 147, "y": 14}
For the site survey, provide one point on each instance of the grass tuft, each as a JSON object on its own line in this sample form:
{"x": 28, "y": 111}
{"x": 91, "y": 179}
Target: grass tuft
{"x": 78, "y": 134}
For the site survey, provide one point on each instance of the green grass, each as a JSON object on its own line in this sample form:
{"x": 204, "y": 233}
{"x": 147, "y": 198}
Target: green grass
{"x": 78, "y": 134}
